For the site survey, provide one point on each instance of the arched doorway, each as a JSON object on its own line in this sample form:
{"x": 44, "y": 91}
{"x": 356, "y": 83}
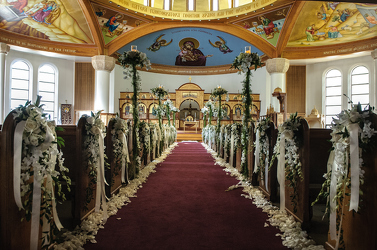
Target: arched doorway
{"x": 189, "y": 109}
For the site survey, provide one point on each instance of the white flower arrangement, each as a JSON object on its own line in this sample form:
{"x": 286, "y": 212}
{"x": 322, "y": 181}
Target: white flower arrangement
{"x": 345, "y": 176}
{"x": 120, "y": 147}
{"x": 36, "y": 169}
{"x": 95, "y": 131}
{"x": 262, "y": 145}
{"x": 137, "y": 58}
{"x": 290, "y": 132}
{"x": 236, "y": 133}
{"x": 244, "y": 61}
{"x": 144, "y": 138}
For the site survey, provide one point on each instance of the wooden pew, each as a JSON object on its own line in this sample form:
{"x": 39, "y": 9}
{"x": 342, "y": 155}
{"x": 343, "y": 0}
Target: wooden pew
{"x": 113, "y": 173}
{"x": 272, "y": 184}
{"x": 314, "y": 153}
{"x": 14, "y": 234}
{"x": 360, "y": 229}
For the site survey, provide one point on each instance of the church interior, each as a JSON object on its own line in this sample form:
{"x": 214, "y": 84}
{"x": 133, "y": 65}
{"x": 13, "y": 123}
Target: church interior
{"x": 279, "y": 94}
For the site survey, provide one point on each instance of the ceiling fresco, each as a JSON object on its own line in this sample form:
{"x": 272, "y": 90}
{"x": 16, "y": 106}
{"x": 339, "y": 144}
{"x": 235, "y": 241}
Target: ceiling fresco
{"x": 190, "y": 47}
{"x": 54, "y": 20}
{"x": 329, "y": 23}
{"x": 113, "y": 24}
{"x": 268, "y": 26}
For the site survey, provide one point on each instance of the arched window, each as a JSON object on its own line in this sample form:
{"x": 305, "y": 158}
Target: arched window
{"x": 47, "y": 89}
{"x": 20, "y": 91}
{"x": 360, "y": 86}
{"x": 333, "y": 85}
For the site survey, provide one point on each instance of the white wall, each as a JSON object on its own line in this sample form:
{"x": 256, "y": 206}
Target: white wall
{"x": 231, "y": 82}
{"x": 315, "y": 74}
{"x": 66, "y": 76}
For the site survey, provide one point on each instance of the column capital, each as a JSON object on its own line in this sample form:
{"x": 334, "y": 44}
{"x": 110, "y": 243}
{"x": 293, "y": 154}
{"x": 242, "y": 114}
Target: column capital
{"x": 4, "y": 48}
{"x": 374, "y": 54}
{"x": 102, "y": 62}
{"x": 277, "y": 65}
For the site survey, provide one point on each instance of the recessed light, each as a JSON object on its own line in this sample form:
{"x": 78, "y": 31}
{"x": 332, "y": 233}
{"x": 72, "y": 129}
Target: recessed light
{"x": 263, "y": 8}
{"x": 126, "y": 9}
{"x": 118, "y": 5}
{"x": 200, "y": 20}
{"x": 135, "y": 11}
{"x": 110, "y": 2}
{"x": 236, "y": 16}
{"x": 163, "y": 18}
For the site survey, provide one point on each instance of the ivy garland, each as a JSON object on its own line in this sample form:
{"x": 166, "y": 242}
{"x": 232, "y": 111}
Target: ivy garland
{"x": 39, "y": 146}
{"x": 130, "y": 60}
{"x": 93, "y": 126}
{"x": 291, "y": 131}
{"x": 243, "y": 62}
{"x": 144, "y": 138}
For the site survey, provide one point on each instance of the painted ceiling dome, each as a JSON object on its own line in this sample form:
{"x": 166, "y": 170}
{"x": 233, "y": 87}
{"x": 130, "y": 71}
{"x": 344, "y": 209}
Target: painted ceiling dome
{"x": 185, "y": 36}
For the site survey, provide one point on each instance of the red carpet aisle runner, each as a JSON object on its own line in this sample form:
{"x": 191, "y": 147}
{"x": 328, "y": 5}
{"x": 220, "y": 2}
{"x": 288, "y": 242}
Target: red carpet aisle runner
{"x": 184, "y": 206}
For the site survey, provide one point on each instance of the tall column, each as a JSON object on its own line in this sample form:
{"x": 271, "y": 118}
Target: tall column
{"x": 4, "y": 49}
{"x": 374, "y": 79}
{"x": 103, "y": 66}
{"x": 277, "y": 67}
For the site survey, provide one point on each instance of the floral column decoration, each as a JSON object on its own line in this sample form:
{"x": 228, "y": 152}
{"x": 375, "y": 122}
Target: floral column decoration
{"x": 160, "y": 93}
{"x": 243, "y": 62}
{"x": 218, "y": 93}
{"x": 205, "y": 111}
{"x": 130, "y": 60}
{"x": 168, "y": 108}
{"x": 174, "y": 110}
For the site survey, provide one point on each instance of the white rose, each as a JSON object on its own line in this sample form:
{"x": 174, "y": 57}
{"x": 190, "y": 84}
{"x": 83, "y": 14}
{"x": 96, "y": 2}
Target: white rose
{"x": 33, "y": 140}
{"x": 95, "y": 130}
{"x": 90, "y": 120}
{"x": 30, "y": 125}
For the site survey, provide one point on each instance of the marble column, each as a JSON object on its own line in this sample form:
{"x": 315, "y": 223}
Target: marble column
{"x": 374, "y": 79}
{"x": 103, "y": 66}
{"x": 4, "y": 49}
{"x": 277, "y": 67}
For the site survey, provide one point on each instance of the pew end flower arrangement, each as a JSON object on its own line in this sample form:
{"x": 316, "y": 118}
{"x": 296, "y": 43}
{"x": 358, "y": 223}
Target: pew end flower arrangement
{"x": 34, "y": 166}
{"x": 262, "y": 148}
{"x": 129, "y": 60}
{"x": 217, "y": 93}
{"x": 289, "y": 141}
{"x": 244, "y": 63}
{"x": 352, "y": 135}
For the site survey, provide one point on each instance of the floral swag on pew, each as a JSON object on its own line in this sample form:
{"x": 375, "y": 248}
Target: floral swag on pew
{"x": 95, "y": 157}
{"x": 351, "y": 135}
{"x": 289, "y": 165}
{"x": 262, "y": 150}
{"x": 120, "y": 148}
{"x": 35, "y": 177}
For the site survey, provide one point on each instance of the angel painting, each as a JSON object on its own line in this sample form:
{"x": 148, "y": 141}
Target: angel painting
{"x": 221, "y": 45}
{"x": 158, "y": 43}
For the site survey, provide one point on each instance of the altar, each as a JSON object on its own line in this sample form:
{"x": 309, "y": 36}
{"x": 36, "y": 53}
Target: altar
{"x": 191, "y": 124}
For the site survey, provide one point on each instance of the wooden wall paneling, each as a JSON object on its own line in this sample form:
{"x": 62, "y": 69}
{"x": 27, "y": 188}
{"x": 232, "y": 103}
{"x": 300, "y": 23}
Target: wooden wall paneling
{"x": 84, "y": 86}
{"x": 296, "y": 89}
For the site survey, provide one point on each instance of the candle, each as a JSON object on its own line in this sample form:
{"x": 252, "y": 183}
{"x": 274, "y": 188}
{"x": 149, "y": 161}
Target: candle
{"x": 248, "y": 49}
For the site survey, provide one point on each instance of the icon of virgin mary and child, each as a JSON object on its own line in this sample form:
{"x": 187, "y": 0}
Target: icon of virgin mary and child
{"x": 189, "y": 54}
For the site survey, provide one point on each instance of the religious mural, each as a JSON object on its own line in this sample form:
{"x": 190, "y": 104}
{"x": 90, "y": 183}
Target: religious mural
{"x": 190, "y": 47}
{"x": 326, "y": 23}
{"x": 54, "y": 20}
{"x": 268, "y": 25}
{"x": 113, "y": 24}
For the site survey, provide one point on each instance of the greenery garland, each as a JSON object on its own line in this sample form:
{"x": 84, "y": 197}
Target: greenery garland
{"x": 160, "y": 93}
{"x": 130, "y": 60}
{"x": 218, "y": 93}
{"x": 243, "y": 62}
{"x": 236, "y": 132}
{"x": 36, "y": 164}
{"x": 291, "y": 131}
{"x": 264, "y": 145}
{"x": 93, "y": 127}
{"x": 144, "y": 138}
{"x": 227, "y": 139}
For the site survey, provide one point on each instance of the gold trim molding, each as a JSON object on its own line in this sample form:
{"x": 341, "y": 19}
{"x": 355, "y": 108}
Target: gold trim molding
{"x": 193, "y": 15}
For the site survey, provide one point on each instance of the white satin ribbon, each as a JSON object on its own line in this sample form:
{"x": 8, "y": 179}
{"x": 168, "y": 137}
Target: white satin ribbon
{"x": 281, "y": 172}
{"x": 221, "y": 144}
{"x": 266, "y": 173}
{"x": 257, "y": 152}
{"x": 124, "y": 172}
{"x": 17, "y": 151}
{"x": 355, "y": 165}
{"x": 231, "y": 149}
{"x": 101, "y": 180}
{"x": 333, "y": 165}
